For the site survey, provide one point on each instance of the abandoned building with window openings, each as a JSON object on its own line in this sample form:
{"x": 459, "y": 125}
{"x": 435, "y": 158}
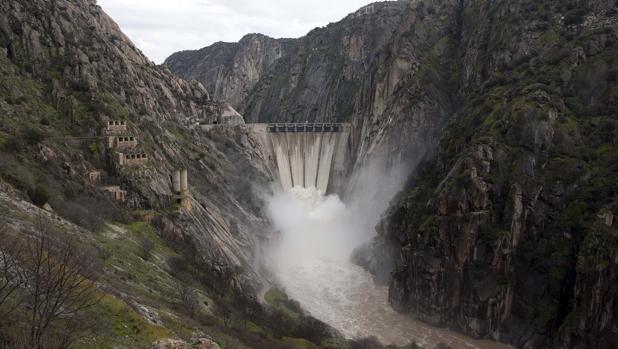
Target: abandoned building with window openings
{"x": 116, "y": 126}
{"x": 122, "y": 142}
{"x": 131, "y": 159}
{"x": 116, "y": 193}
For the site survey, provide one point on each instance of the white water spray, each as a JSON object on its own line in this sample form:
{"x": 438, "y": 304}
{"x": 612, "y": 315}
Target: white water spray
{"x": 313, "y": 227}
{"x": 318, "y": 235}
{"x": 312, "y": 259}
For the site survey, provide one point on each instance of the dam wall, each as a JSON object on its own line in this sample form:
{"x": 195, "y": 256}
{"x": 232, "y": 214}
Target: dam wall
{"x": 306, "y": 155}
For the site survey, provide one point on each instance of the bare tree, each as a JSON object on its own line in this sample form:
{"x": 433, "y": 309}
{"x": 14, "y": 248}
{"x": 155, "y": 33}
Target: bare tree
{"x": 226, "y": 313}
{"x": 248, "y": 307}
{"x": 58, "y": 286}
{"x": 146, "y": 247}
{"x": 11, "y": 273}
{"x": 188, "y": 298}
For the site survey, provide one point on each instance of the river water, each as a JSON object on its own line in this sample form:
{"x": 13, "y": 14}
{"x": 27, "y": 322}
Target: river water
{"x": 312, "y": 259}
{"x": 344, "y": 296}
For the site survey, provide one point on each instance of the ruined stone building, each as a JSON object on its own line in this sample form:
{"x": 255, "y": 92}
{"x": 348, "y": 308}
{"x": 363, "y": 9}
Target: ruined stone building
{"x": 131, "y": 159}
{"x": 116, "y": 193}
{"x": 122, "y": 142}
{"x": 223, "y": 115}
{"x": 114, "y": 127}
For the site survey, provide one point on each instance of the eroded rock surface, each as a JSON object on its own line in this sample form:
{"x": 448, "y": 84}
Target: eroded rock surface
{"x": 505, "y": 230}
{"x": 73, "y": 70}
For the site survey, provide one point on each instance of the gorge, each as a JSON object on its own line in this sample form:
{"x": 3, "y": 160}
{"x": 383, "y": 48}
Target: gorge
{"x": 439, "y": 173}
{"x": 498, "y": 102}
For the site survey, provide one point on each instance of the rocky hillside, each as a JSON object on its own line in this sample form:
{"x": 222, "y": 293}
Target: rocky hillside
{"x": 64, "y": 78}
{"x": 365, "y": 69}
{"x": 231, "y": 70}
{"x": 91, "y": 135}
{"x": 294, "y": 79}
{"x": 506, "y": 230}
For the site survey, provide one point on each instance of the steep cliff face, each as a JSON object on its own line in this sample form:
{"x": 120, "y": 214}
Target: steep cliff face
{"x": 66, "y": 71}
{"x": 316, "y": 77}
{"x": 91, "y": 136}
{"x": 511, "y": 104}
{"x": 499, "y": 234}
{"x": 384, "y": 67}
{"x": 230, "y": 71}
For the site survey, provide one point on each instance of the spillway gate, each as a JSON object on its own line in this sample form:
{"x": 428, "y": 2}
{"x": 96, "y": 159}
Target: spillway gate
{"x": 308, "y": 155}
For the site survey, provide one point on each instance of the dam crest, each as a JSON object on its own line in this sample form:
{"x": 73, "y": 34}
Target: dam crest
{"x": 307, "y": 154}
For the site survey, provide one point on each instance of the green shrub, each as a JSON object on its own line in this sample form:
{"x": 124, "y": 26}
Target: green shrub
{"x": 146, "y": 246}
{"x": 573, "y": 19}
{"x": 39, "y": 195}
{"x": 11, "y": 144}
{"x": 94, "y": 148}
{"x": 18, "y": 100}
{"x": 33, "y": 136}
{"x": 16, "y": 181}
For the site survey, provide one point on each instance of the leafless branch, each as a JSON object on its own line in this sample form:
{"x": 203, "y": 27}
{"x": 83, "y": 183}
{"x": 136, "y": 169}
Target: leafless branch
{"x": 11, "y": 274}
{"x": 59, "y": 283}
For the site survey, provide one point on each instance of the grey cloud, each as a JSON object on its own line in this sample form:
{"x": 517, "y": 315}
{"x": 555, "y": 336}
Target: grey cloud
{"x": 161, "y": 27}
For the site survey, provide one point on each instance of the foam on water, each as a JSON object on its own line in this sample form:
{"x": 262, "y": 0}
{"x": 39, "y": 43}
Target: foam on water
{"x": 345, "y": 296}
{"x": 312, "y": 261}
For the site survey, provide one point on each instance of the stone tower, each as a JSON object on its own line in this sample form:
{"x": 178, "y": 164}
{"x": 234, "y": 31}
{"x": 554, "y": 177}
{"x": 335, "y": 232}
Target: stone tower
{"x": 180, "y": 183}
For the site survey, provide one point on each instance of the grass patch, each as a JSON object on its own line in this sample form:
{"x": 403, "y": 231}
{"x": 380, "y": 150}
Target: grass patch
{"x": 128, "y": 271}
{"x": 139, "y": 228}
{"x": 299, "y": 343}
{"x": 121, "y": 326}
{"x": 280, "y": 301}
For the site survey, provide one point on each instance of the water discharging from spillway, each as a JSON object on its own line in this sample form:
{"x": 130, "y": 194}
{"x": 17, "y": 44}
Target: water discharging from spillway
{"x": 318, "y": 235}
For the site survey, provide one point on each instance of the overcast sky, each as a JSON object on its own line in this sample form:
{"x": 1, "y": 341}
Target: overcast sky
{"x": 162, "y": 27}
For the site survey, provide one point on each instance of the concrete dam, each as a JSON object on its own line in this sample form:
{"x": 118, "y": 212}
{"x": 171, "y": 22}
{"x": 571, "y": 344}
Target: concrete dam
{"x": 307, "y": 155}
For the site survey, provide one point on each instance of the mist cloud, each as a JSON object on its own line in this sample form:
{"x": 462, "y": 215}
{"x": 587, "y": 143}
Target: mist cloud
{"x": 311, "y": 257}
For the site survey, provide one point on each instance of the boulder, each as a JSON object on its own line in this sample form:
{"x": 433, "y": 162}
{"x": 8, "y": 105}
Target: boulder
{"x": 205, "y": 343}
{"x": 170, "y": 344}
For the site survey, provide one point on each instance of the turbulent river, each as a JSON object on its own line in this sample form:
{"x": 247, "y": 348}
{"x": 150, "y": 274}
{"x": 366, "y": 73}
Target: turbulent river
{"x": 318, "y": 235}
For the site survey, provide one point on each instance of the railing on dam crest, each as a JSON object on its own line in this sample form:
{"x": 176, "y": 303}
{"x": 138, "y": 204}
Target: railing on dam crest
{"x": 305, "y": 127}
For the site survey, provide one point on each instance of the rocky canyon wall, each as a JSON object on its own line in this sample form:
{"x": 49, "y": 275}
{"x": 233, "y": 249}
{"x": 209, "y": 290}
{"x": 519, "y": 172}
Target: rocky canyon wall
{"x": 506, "y": 109}
{"x": 364, "y": 69}
{"x": 492, "y": 236}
